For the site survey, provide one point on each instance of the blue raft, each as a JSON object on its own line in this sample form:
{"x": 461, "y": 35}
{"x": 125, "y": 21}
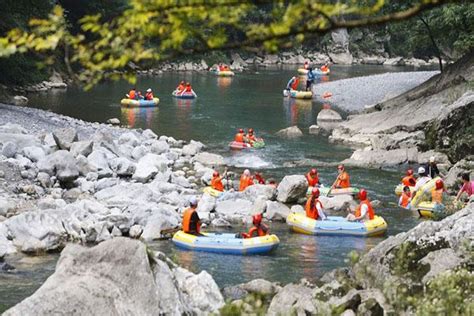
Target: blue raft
{"x": 226, "y": 243}
{"x": 184, "y": 95}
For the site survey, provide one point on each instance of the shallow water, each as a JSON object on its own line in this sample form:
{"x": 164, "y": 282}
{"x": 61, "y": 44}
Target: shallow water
{"x": 251, "y": 99}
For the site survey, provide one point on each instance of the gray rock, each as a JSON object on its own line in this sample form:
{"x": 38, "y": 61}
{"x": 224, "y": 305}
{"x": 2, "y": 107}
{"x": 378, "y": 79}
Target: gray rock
{"x": 33, "y": 153}
{"x": 220, "y": 222}
{"x": 20, "y": 140}
{"x": 160, "y": 219}
{"x": 290, "y": 132}
{"x": 452, "y": 179}
{"x": 149, "y": 134}
{"x": 159, "y": 147}
{"x": 234, "y": 209}
{"x": 9, "y": 149}
{"x": 208, "y": 159}
{"x": 135, "y": 231}
{"x": 83, "y": 148}
{"x": 328, "y": 119}
{"x": 140, "y": 151}
{"x": 149, "y": 166}
{"x": 20, "y": 100}
{"x": 72, "y": 195}
{"x": 297, "y": 209}
{"x": 99, "y": 162}
{"x": 277, "y": 211}
{"x": 60, "y": 164}
{"x": 292, "y": 188}
{"x": 113, "y": 121}
{"x": 292, "y": 299}
{"x": 129, "y": 138}
{"x": 339, "y": 203}
{"x": 106, "y": 183}
{"x": 440, "y": 261}
{"x": 65, "y": 137}
{"x": 253, "y": 191}
{"x": 206, "y": 204}
{"x": 6, "y": 206}
{"x": 397, "y": 61}
{"x": 192, "y": 148}
{"x": 314, "y": 130}
{"x": 123, "y": 167}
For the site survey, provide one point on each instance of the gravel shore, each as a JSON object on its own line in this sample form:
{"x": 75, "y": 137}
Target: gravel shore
{"x": 353, "y": 94}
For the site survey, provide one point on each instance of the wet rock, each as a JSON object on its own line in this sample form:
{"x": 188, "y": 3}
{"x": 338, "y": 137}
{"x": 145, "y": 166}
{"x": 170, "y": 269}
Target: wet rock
{"x": 328, "y": 119}
{"x": 149, "y": 166}
{"x": 33, "y": 153}
{"x": 314, "y": 129}
{"x": 9, "y": 149}
{"x": 208, "y": 159}
{"x": 20, "y": 100}
{"x": 113, "y": 121}
{"x": 277, "y": 211}
{"x": 292, "y": 188}
{"x": 290, "y": 132}
{"x": 83, "y": 148}
{"x": 65, "y": 137}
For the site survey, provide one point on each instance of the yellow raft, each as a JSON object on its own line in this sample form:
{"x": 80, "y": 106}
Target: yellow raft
{"x": 212, "y": 192}
{"x": 298, "y": 94}
{"x": 399, "y": 189}
{"x": 225, "y": 73}
{"x": 336, "y": 225}
{"x": 424, "y": 193}
{"x": 302, "y": 71}
{"x": 425, "y": 209}
{"x": 140, "y": 103}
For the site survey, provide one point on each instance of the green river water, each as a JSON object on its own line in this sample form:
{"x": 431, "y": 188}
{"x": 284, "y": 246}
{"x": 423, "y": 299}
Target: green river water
{"x": 250, "y": 99}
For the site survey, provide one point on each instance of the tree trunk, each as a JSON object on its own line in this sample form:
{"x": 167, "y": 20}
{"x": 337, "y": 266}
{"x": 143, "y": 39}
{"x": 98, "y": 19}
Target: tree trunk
{"x": 430, "y": 34}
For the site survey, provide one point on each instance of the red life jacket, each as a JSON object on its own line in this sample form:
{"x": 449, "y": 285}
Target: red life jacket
{"x": 259, "y": 231}
{"x": 132, "y": 94}
{"x": 295, "y": 84}
{"x": 409, "y": 181}
{"x": 149, "y": 96}
{"x": 370, "y": 210}
{"x": 312, "y": 212}
{"x": 312, "y": 181}
{"x": 216, "y": 184}
{"x": 405, "y": 199}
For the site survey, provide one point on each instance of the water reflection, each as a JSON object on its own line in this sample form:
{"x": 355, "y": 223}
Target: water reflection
{"x": 139, "y": 117}
{"x": 224, "y": 82}
{"x": 298, "y": 111}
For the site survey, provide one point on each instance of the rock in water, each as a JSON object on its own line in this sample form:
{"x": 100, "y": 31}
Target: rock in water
{"x": 314, "y": 129}
{"x": 120, "y": 277}
{"x": 291, "y": 188}
{"x": 328, "y": 119}
{"x": 290, "y": 132}
{"x": 20, "y": 100}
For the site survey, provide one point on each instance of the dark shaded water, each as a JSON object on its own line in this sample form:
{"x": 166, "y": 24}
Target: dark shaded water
{"x": 250, "y": 99}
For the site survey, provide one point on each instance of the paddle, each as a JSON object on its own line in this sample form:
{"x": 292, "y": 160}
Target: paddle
{"x": 329, "y": 191}
{"x": 168, "y": 233}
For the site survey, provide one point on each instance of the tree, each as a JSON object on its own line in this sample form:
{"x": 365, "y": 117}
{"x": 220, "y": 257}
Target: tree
{"x": 164, "y": 29}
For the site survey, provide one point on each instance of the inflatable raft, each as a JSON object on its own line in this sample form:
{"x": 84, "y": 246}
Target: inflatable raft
{"x": 425, "y": 209}
{"x": 424, "y": 193}
{"x": 226, "y": 243}
{"x": 298, "y": 94}
{"x": 140, "y": 103}
{"x": 325, "y": 190}
{"x": 318, "y": 72}
{"x": 336, "y": 225}
{"x": 184, "y": 95}
{"x": 212, "y": 192}
{"x": 302, "y": 71}
{"x": 225, "y": 73}
{"x": 399, "y": 189}
{"x": 238, "y": 145}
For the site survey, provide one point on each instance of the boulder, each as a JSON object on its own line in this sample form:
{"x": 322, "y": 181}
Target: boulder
{"x": 149, "y": 166}
{"x": 277, "y": 211}
{"x": 129, "y": 138}
{"x": 113, "y": 121}
{"x": 452, "y": 179}
{"x": 314, "y": 130}
{"x": 19, "y": 140}
{"x": 253, "y": 191}
{"x": 120, "y": 276}
{"x": 373, "y": 60}
{"x": 339, "y": 203}
{"x": 135, "y": 231}
{"x": 206, "y": 204}
{"x": 396, "y": 61}
{"x": 234, "y": 209}
{"x": 60, "y": 164}
{"x": 99, "y": 161}
{"x": 292, "y": 188}
{"x": 83, "y": 148}
{"x": 344, "y": 58}
{"x": 292, "y": 299}
{"x": 149, "y": 134}
{"x": 9, "y": 149}
{"x": 328, "y": 119}
{"x": 159, "y": 220}
{"x": 290, "y": 132}
{"x": 159, "y": 147}
{"x": 65, "y": 137}
{"x": 140, "y": 151}
{"x": 208, "y": 159}
{"x": 33, "y": 153}
{"x": 123, "y": 167}
{"x": 20, "y": 100}
{"x": 192, "y": 149}
{"x": 6, "y": 206}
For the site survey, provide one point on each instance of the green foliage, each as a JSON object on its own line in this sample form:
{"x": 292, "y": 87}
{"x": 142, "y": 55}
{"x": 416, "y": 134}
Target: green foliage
{"x": 252, "y": 304}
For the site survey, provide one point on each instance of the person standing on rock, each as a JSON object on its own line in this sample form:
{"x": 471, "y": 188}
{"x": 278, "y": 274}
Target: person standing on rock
{"x": 467, "y": 187}
{"x": 191, "y": 220}
{"x": 343, "y": 179}
{"x": 364, "y": 212}
{"x": 313, "y": 178}
{"x": 431, "y": 168}
{"x": 246, "y": 180}
{"x": 313, "y": 207}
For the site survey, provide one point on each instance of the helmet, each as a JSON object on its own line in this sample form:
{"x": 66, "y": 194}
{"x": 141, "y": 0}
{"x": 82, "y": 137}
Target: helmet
{"x": 313, "y": 171}
{"x": 340, "y": 167}
{"x": 409, "y": 172}
{"x": 250, "y": 130}
{"x": 148, "y": 90}
{"x": 215, "y": 174}
{"x": 247, "y": 172}
{"x": 241, "y": 130}
{"x": 362, "y": 194}
{"x": 193, "y": 201}
{"x": 257, "y": 219}
{"x": 315, "y": 192}
{"x": 421, "y": 170}
{"x": 439, "y": 184}
{"x": 432, "y": 159}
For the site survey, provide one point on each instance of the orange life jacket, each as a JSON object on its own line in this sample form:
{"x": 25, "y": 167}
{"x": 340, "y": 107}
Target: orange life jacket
{"x": 370, "y": 210}
{"x": 405, "y": 199}
{"x": 295, "y": 84}
{"x": 259, "y": 231}
{"x": 239, "y": 137}
{"x": 190, "y": 226}
{"x": 149, "y": 96}
{"x": 324, "y": 68}
{"x": 180, "y": 88}
{"x": 132, "y": 94}
{"x": 343, "y": 180}
{"x": 409, "y": 181}
{"x": 312, "y": 212}
{"x": 437, "y": 196}
{"x": 216, "y": 184}
{"x": 312, "y": 181}
{"x": 245, "y": 182}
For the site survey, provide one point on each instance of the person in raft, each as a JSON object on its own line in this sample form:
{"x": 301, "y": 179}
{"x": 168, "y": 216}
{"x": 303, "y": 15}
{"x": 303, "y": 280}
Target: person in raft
{"x": 149, "y": 94}
{"x": 431, "y": 168}
{"x": 364, "y": 212}
{"x": 437, "y": 193}
{"x": 258, "y": 229}
{"x": 306, "y": 65}
{"x": 310, "y": 78}
{"x": 293, "y": 84}
{"x": 246, "y": 180}
{"x": 313, "y": 207}
{"x": 132, "y": 95}
{"x": 467, "y": 187}
{"x": 422, "y": 179}
{"x": 216, "y": 181}
{"x": 409, "y": 179}
{"x": 343, "y": 178}
{"x": 325, "y": 67}
{"x": 259, "y": 178}
{"x": 313, "y": 178}
{"x": 250, "y": 137}
{"x": 240, "y": 136}
{"x": 191, "y": 220}
{"x": 405, "y": 198}
{"x": 180, "y": 88}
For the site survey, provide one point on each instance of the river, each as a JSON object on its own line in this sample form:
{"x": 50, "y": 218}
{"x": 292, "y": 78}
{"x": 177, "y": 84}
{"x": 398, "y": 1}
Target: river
{"x": 250, "y": 99}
